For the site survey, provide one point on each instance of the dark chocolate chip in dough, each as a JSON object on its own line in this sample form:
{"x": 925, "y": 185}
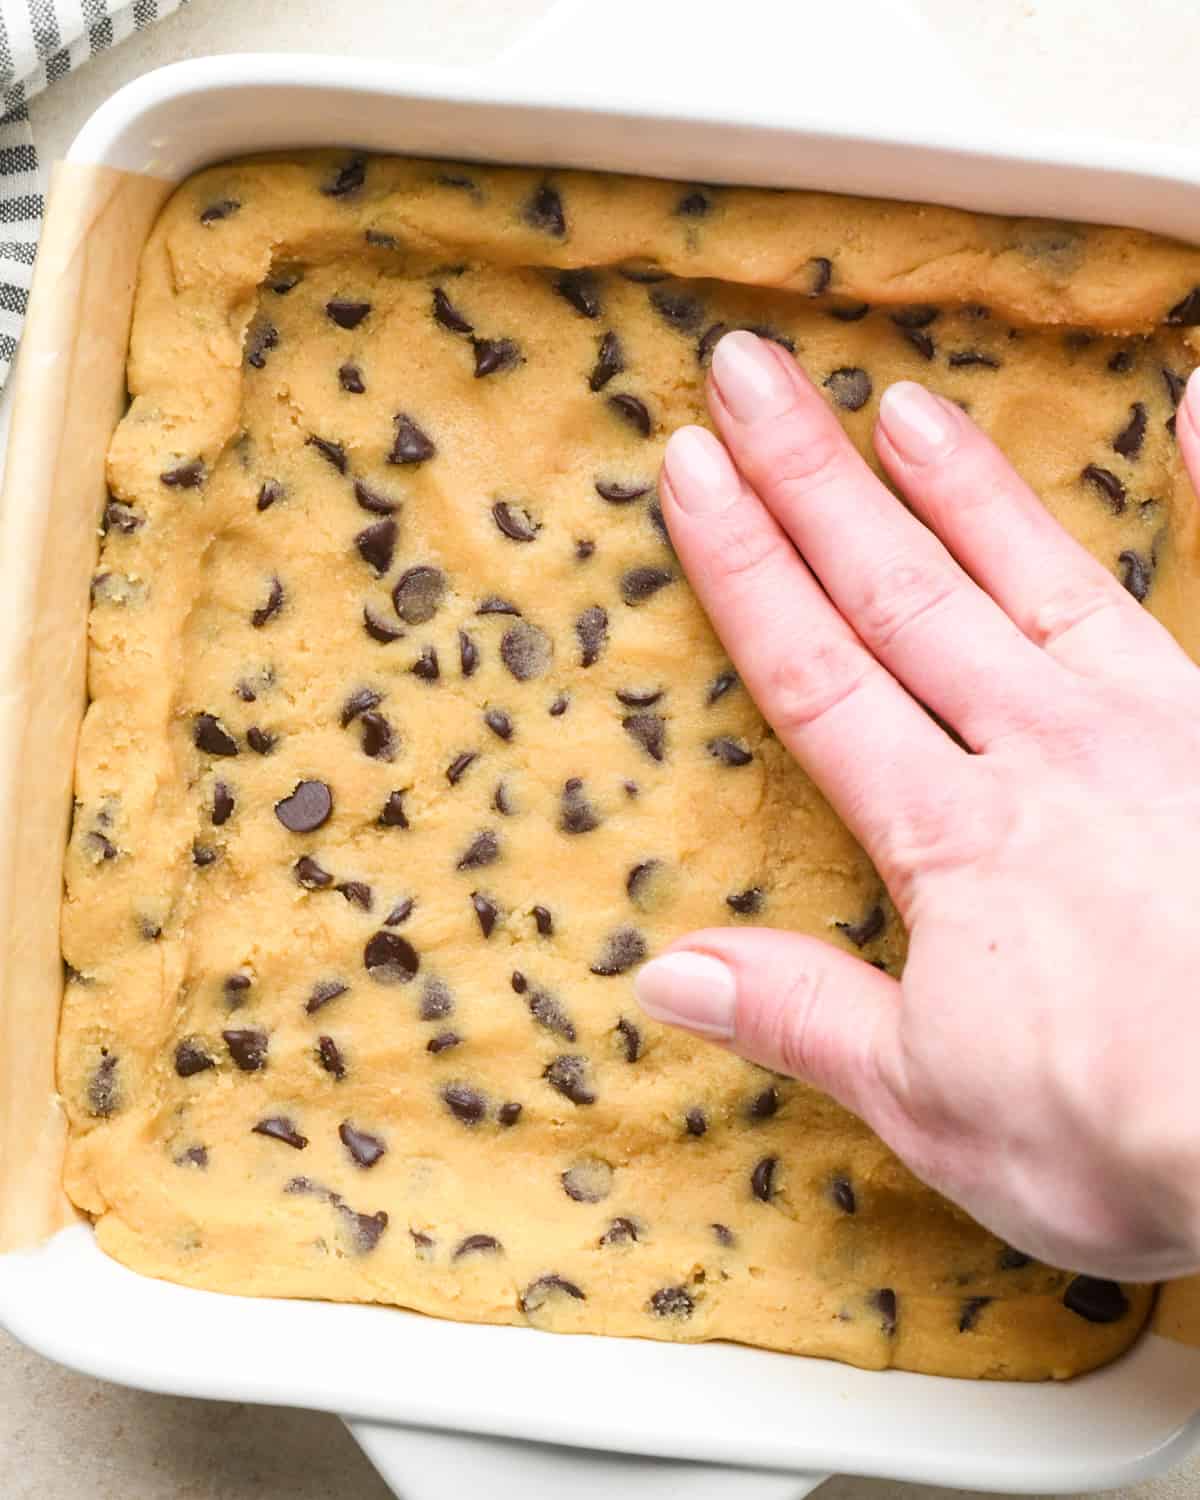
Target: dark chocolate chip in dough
{"x": 436, "y": 1000}
{"x": 672, "y": 1302}
{"x": 346, "y": 314}
{"x": 588, "y": 1181}
{"x": 499, "y": 723}
{"x": 631, "y": 1039}
{"x": 591, "y": 631}
{"x": 103, "y": 1090}
{"x": 1137, "y": 573}
{"x": 393, "y": 814}
{"x": 514, "y": 522}
{"x": 484, "y": 849}
{"x": 576, "y": 813}
{"x": 1121, "y": 362}
{"x": 332, "y": 453}
{"x": 443, "y": 1042}
{"x": 419, "y": 593}
{"x": 642, "y": 583}
{"x": 549, "y": 1014}
{"x": 634, "y": 411}
{"x": 519, "y": 983}
{"x": 376, "y": 545}
{"x": 261, "y": 338}
{"x": 184, "y": 476}
{"x": 310, "y": 875}
{"x": 1186, "y": 312}
{"x": 348, "y": 178}
{"x": 638, "y": 881}
{"x": 677, "y": 309}
{"x": 468, "y": 654}
{"x": 620, "y": 1232}
{"x": 1128, "y": 442}
{"x": 486, "y": 911}
{"x": 695, "y": 1122}
{"x": 281, "y": 1128}
{"x": 366, "y": 1229}
{"x": 192, "y": 1058}
{"x": 643, "y": 272}
{"x": 884, "y": 1303}
{"x": 729, "y": 752}
{"x": 968, "y": 1315}
{"x": 359, "y": 702}
{"x": 1095, "y": 1300}
{"x": 763, "y": 1106}
{"x": 921, "y": 341}
{"x": 377, "y": 629}
{"x": 271, "y": 608}
{"x": 539, "y": 1292}
{"x": 202, "y": 854}
{"x": 709, "y": 340}
{"x": 307, "y": 808}
{"x": 426, "y": 665}
{"x": 371, "y": 500}
{"x": 584, "y": 548}
{"x": 365, "y": 1149}
{"x": 610, "y": 361}
{"x": 378, "y": 741}
{"x": 618, "y": 493}
{"x": 465, "y": 1103}
{"x": 400, "y": 912}
{"x": 477, "y": 1244}
{"x": 248, "y": 1048}
{"x": 544, "y": 211}
{"x": 525, "y": 650}
{"x": 465, "y": 184}
{"x": 211, "y": 736}
{"x": 458, "y": 767}
{"x": 330, "y": 1056}
{"x": 283, "y": 281}
{"x": 581, "y": 290}
{"x": 221, "y": 209}
{"x": 693, "y": 205}
{"x": 850, "y": 387}
{"x": 101, "y": 846}
{"x": 234, "y": 990}
{"x": 762, "y": 1178}
{"x": 568, "y": 1075}
{"x": 223, "y": 803}
{"x": 850, "y": 312}
{"x": 867, "y": 929}
{"x": 745, "y": 903}
{"x": 412, "y": 445}
{"x": 495, "y": 605}
{"x": 649, "y": 731}
{"x": 658, "y": 524}
{"x": 357, "y": 893}
{"x": 1108, "y": 484}
{"x": 1175, "y": 384}
{"x": 543, "y": 920}
{"x": 445, "y": 313}
{"x": 492, "y": 355}
{"x": 919, "y": 315}
{"x": 322, "y": 993}
{"x": 723, "y": 1235}
{"x": 965, "y": 359}
{"x": 390, "y": 959}
{"x": 194, "y": 1156}
{"x": 122, "y": 518}
{"x": 764, "y": 331}
{"x": 721, "y": 684}
{"x": 841, "y": 1190}
{"x": 261, "y": 741}
{"x": 639, "y": 697}
{"x": 350, "y": 378}
{"x": 1013, "y": 1260}
{"x": 820, "y": 274}
{"x": 621, "y": 950}
{"x": 501, "y": 801}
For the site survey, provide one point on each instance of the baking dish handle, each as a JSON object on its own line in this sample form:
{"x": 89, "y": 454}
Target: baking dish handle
{"x": 422, "y": 1465}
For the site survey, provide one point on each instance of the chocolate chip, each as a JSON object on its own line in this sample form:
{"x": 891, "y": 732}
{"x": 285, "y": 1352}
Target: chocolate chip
{"x": 486, "y": 910}
{"x": 457, "y": 768}
{"x": 211, "y": 736}
{"x": 426, "y": 665}
{"x": 100, "y": 846}
{"x": 547, "y": 1011}
{"x": 400, "y": 912}
{"x": 544, "y": 211}
{"x": 310, "y": 875}
{"x": 588, "y": 1181}
{"x": 621, "y": 949}
{"x": 351, "y": 380}
{"x": 191, "y": 1058}
{"x": 709, "y": 340}
{"x": 346, "y": 314}
{"x": 1175, "y": 384}
{"x": 820, "y": 274}
{"x": 919, "y": 315}
{"x": 357, "y": 703}
{"x": 762, "y": 1178}
{"x": 568, "y": 1075}
{"x": 484, "y": 849}
{"x": 393, "y": 814}
{"x": 464, "y": 1103}
{"x": 122, "y": 518}
{"x": 221, "y": 209}
{"x": 1186, "y": 312}
{"x": 519, "y": 983}
{"x": 202, "y": 854}
{"x": 867, "y": 928}
{"x": 412, "y": 445}
{"x": 1108, "y": 484}
{"x": 576, "y": 813}
{"x": 841, "y": 1190}
{"x": 103, "y": 1090}
{"x": 1137, "y": 573}
{"x": 307, "y": 808}
{"x": 271, "y": 608}
{"x": 377, "y": 629}
{"x": 763, "y": 1106}
{"x": 261, "y": 741}
{"x": 884, "y": 1303}
{"x": 281, "y": 1128}
{"x": 365, "y": 1149}
{"x": 494, "y": 605}
{"x": 920, "y": 340}
{"x": 729, "y": 752}
{"x": 508, "y": 1114}
{"x": 261, "y": 338}
{"x": 695, "y": 1122}
{"x": 223, "y": 803}
{"x": 445, "y": 313}
{"x": 591, "y": 631}
{"x": 1092, "y": 1299}
{"x": 499, "y": 723}
{"x": 330, "y": 1057}
{"x": 1013, "y": 1260}
{"x": 640, "y": 584}
{"x": 501, "y": 800}
{"x": 149, "y": 930}
{"x": 584, "y": 549}
{"x": 348, "y": 178}
{"x": 468, "y": 654}
{"x": 610, "y": 361}
{"x": 390, "y": 959}
{"x": 620, "y": 1232}
{"x": 376, "y": 545}
{"x": 185, "y": 476}
{"x": 968, "y": 1315}
{"x": 323, "y": 992}
{"x": 745, "y": 903}
{"x": 466, "y": 184}
{"x": 639, "y": 878}
{"x": 543, "y": 920}
{"x": 378, "y": 740}
{"x": 1128, "y": 442}
{"x": 677, "y": 309}
{"x": 580, "y": 289}
{"x": 634, "y": 411}
{"x": 643, "y": 273}
{"x": 693, "y": 205}
{"x": 283, "y": 281}
{"x": 234, "y": 990}
{"x": 418, "y": 594}
{"x": 248, "y": 1048}
{"x": 1121, "y": 362}
{"x": 492, "y": 355}
{"x": 850, "y": 387}
{"x": 672, "y": 1302}
{"x": 525, "y": 650}
{"x": 657, "y": 524}
{"x": 649, "y": 731}
{"x": 366, "y": 1229}
{"x": 850, "y": 312}
{"x": 617, "y": 493}
{"x": 443, "y": 1042}
{"x": 194, "y": 1156}
{"x": 963, "y": 359}
{"x": 514, "y": 522}
{"x": 332, "y": 453}
{"x": 638, "y": 697}
{"x": 357, "y": 893}
{"x": 436, "y": 1000}
{"x": 723, "y": 1235}
{"x": 631, "y": 1039}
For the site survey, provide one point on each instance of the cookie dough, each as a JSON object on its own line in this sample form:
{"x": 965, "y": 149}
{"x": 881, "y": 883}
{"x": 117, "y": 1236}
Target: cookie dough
{"x": 407, "y": 742}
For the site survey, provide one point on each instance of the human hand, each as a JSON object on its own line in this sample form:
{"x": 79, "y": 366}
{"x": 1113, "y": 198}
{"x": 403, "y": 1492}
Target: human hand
{"x": 1038, "y": 1061}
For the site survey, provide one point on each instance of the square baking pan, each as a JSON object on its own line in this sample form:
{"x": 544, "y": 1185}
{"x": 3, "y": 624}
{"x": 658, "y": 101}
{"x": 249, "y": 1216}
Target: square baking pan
{"x": 653, "y": 89}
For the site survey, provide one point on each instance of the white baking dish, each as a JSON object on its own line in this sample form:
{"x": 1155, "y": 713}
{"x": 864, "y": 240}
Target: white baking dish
{"x": 635, "y": 92}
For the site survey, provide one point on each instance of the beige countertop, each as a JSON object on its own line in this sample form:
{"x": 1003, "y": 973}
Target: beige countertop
{"x": 1054, "y": 63}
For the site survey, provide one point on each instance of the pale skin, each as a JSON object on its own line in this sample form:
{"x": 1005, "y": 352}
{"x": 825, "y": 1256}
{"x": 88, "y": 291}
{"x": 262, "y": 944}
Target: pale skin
{"x": 1039, "y": 1061}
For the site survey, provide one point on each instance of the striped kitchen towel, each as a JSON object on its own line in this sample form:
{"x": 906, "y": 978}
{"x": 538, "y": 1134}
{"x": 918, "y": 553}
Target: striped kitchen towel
{"x": 40, "y": 41}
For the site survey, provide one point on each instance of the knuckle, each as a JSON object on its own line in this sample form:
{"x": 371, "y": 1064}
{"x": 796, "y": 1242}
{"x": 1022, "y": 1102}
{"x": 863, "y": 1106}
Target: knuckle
{"x": 898, "y": 594}
{"x": 747, "y": 547}
{"x": 1066, "y": 607}
{"x": 802, "y": 687}
{"x": 804, "y": 454}
{"x": 935, "y": 833}
{"x": 787, "y": 1022}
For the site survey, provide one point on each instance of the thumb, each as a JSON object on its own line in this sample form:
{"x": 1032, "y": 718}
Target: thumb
{"x": 792, "y": 1003}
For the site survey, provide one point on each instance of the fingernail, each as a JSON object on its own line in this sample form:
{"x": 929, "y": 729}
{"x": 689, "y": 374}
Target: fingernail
{"x": 698, "y": 469}
{"x": 691, "y": 990}
{"x": 920, "y": 425}
{"x": 749, "y": 378}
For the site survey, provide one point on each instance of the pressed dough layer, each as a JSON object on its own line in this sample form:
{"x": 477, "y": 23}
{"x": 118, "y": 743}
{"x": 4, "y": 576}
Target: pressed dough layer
{"x": 407, "y": 740}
